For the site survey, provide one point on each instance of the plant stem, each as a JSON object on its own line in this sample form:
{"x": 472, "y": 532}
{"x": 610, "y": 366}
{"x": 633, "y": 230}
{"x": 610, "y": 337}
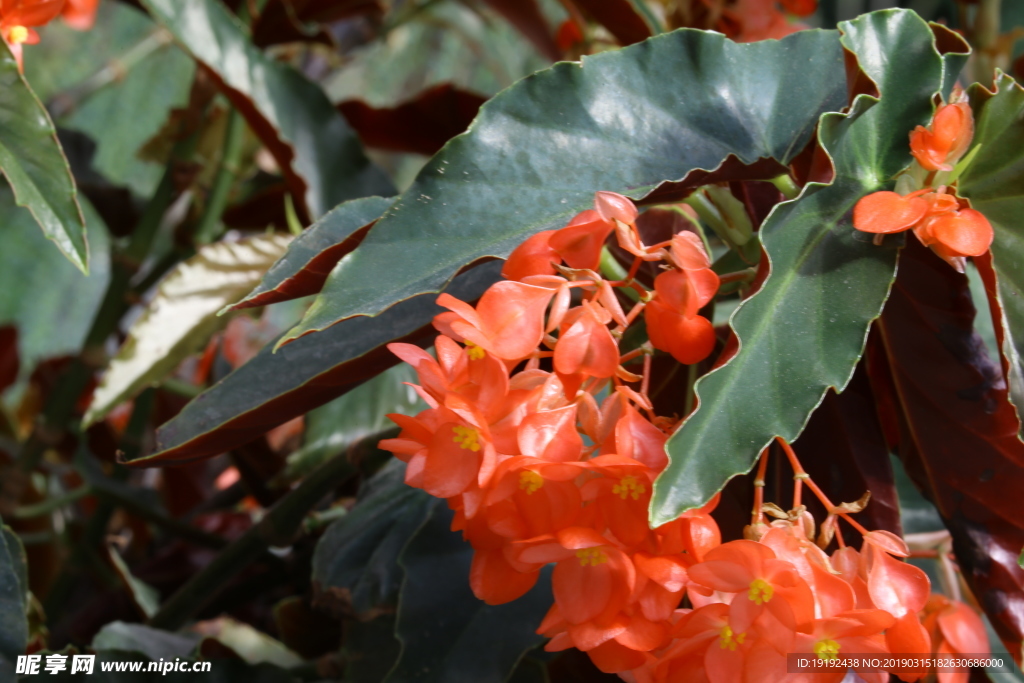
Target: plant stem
{"x": 234, "y": 134}
{"x": 786, "y": 185}
{"x": 51, "y": 504}
{"x": 277, "y": 528}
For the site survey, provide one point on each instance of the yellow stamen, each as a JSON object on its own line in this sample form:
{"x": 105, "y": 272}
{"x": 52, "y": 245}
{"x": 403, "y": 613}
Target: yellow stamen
{"x": 629, "y": 486}
{"x": 17, "y": 35}
{"x": 530, "y": 482}
{"x": 729, "y": 640}
{"x": 467, "y": 437}
{"x": 591, "y": 556}
{"x": 474, "y": 352}
{"x": 760, "y": 591}
{"x": 826, "y": 649}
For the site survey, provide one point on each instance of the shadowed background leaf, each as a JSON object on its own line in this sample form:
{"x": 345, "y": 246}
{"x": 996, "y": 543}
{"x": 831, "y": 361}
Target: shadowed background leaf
{"x": 319, "y": 154}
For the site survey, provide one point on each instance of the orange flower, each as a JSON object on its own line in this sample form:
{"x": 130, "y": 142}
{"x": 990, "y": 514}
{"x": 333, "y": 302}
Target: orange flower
{"x": 17, "y": 17}
{"x": 508, "y": 321}
{"x": 955, "y": 629}
{"x": 939, "y": 146}
{"x": 763, "y": 584}
{"x": 936, "y": 218}
{"x": 80, "y": 14}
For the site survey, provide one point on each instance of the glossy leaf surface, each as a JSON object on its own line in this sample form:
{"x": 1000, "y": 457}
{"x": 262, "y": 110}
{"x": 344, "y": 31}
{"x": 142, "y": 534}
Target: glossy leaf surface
{"x": 318, "y": 152}
{"x": 273, "y": 388}
{"x": 957, "y": 432}
{"x": 355, "y": 568}
{"x": 311, "y": 256}
{"x": 183, "y": 314}
{"x": 33, "y": 163}
{"x": 804, "y": 331}
{"x": 446, "y": 633}
{"x": 538, "y": 151}
{"x": 992, "y": 182}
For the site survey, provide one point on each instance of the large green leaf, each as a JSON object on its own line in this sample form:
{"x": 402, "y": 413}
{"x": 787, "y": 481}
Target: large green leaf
{"x": 319, "y": 154}
{"x": 311, "y": 256}
{"x": 448, "y": 634}
{"x": 993, "y": 183}
{"x": 804, "y": 331}
{"x": 624, "y": 121}
{"x": 33, "y": 163}
{"x": 273, "y": 388}
{"x": 333, "y": 427}
{"x": 13, "y": 591}
{"x": 49, "y": 300}
{"x": 355, "y": 566}
{"x": 183, "y": 314}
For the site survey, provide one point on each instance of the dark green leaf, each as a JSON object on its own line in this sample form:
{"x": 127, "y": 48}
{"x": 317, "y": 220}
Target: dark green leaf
{"x": 528, "y": 19}
{"x": 318, "y": 152}
{"x": 311, "y": 256}
{"x": 272, "y": 388}
{"x": 446, "y": 633}
{"x": 333, "y": 427}
{"x": 49, "y": 300}
{"x": 33, "y": 163}
{"x": 370, "y": 649}
{"x": 538, "y": 151}
{"x": 13, "y": 590}
{"x": 145, "y": 597}
{"x": 355, "y": 567}
{"x": 804, "y": 331}
{"x": 182, "y": 316}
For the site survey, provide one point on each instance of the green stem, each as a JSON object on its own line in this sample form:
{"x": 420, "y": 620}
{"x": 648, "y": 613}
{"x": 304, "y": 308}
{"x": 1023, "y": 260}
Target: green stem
{"x": 277, "y": 528}
{"x": 51, "y": 504}
{"x": 234, "y": 135}
{"x": 613, "y": 270}
{"x": 786, "y": 185}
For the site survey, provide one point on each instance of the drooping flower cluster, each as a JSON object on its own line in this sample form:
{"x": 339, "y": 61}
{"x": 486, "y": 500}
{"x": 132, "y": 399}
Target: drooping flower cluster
{"x": 20, "y": 18}
{"x": 546, "y": 447}
{"x": 924, "y": 202}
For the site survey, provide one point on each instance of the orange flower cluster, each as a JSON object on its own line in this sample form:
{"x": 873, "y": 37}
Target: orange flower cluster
{"x": 939, "y": 218}
{"x": 19, "y": 19}
{"x": 547, "y": 455}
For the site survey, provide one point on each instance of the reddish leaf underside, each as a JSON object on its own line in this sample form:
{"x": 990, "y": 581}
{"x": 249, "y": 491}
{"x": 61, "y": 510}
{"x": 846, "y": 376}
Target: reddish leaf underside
{"x": 422, "y": 125}
{"x": 954, "y": 428}
{"x": 619, "y": 17}
{"x": 9, "y": 362}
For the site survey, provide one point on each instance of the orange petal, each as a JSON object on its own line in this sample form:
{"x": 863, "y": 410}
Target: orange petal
{"x": 494, "y": 581}
{"x": 579, "y": 243}
{"x": 888, "y": 212}
{"x": 535, "y": 256}
{"x": 965, "y": 233}
{"x": 612, "y": 206}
